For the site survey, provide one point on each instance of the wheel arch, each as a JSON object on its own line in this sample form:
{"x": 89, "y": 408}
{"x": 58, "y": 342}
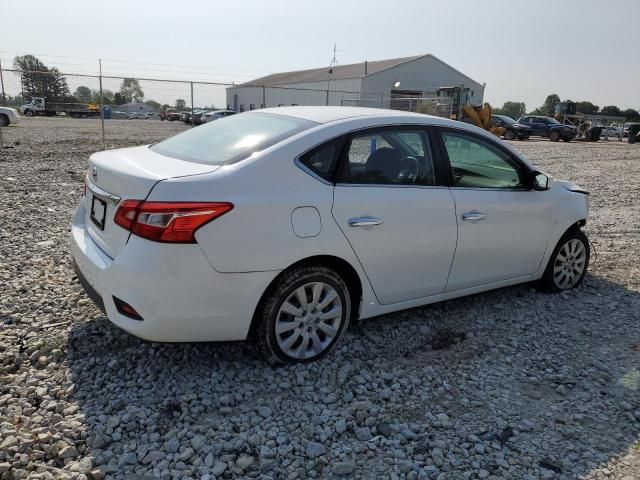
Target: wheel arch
{"x": 575, "y": 225}
{"x": 342, "y": 267}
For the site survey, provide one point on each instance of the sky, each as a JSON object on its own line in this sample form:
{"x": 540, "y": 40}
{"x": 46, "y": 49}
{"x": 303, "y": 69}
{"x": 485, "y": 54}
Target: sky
{"x": 523, "y": 50}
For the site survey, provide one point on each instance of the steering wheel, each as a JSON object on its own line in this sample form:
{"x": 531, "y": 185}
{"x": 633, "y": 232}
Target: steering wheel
{"x": 408, "y": 174}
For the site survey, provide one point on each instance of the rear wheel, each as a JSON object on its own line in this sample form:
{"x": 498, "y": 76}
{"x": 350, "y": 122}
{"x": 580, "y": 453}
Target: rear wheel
{"x": 568, "y": 263}
{"x": 4, "y": 120}
{"x": 509, "y": 135}
{"x": 303, "y": 316}
{"x": 554, "y": 136}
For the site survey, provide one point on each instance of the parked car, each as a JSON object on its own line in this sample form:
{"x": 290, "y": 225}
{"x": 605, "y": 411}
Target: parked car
{"x": 514, "y": 129}
{"x": 197, "y": 117}
{"x": 549, "y": 127}
{"x": 152, "y": 115}
{"x": 137, "y": 116}
{"x": 172, "y": 115}
{"x": 613, "y": 132}
{"x": 8, "y": 116}
{"x": 283, "y": 225}
{"x": 216, "y": 114}
{"x": 625, "y": 130}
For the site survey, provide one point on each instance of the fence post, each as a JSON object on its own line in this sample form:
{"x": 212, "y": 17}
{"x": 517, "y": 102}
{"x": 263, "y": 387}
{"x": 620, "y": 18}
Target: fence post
{"x": 264, "y": 97}
{"x": 192, "y": 123}
{"x": 104, "y": 143}
{"x": 4, "y": 97}
{"x": 382, "y": 100}
{"x": 327, "y": 101}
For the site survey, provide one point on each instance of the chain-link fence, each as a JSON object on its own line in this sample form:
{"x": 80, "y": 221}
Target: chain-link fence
{"x": 108, "y": 104}
{"x": 105, "y": 102}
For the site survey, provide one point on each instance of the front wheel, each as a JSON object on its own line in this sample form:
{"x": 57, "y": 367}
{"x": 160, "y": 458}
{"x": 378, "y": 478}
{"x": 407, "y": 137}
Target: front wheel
{"x": 4, "y": 120}
{"x": 554, "y": 136}
{"x": 28, "y": 113}
{"x": 509, "y": 135}
{"x": 302, "y": 316}
{"x": 568, "y": 263}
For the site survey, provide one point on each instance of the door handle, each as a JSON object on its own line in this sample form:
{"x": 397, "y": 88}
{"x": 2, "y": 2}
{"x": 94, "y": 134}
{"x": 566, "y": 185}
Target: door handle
{"x": 365, "y": 222}
{"x": 473, "y": 216}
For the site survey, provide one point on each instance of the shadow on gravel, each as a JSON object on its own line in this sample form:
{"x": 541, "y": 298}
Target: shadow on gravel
{"x": 531, "y": 384}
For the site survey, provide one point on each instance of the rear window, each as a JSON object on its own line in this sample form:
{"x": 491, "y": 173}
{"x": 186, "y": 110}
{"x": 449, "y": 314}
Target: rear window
{"x": 231, "y": 138}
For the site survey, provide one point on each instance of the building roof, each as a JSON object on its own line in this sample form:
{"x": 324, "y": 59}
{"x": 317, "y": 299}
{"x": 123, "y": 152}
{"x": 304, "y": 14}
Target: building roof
{"x": 340, "y": 72}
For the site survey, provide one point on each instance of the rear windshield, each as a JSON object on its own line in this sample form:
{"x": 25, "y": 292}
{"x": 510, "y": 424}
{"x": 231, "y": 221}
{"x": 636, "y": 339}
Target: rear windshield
{"x": 231, "y": 138}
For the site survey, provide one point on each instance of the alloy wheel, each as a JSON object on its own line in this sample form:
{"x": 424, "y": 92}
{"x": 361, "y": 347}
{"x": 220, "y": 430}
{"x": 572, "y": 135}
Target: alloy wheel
{"x": 569, "y": 264}
{"x": 308, "y": 320}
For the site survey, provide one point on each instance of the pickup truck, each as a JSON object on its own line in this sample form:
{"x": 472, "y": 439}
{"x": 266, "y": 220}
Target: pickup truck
{"x": 8, "y": 116}
{"x": 549, "y": 127}
{"x": 40, "y": 106}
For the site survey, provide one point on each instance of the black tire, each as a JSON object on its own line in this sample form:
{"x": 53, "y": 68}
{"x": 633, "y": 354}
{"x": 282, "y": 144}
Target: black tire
{"x": 4, "y": 120}
{"x": 554, "y": 136}
{"x": 28, "y": 113}
{"x": 264, "y": 323}
{"x": 548, "y": 281}
{"x": 509, "y": 135}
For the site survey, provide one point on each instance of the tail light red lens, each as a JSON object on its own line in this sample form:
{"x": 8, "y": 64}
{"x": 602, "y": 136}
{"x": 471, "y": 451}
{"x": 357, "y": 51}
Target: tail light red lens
{"x": 172, "y": 222}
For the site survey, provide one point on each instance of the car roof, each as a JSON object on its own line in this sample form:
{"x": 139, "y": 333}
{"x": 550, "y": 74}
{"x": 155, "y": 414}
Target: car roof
{"x": 320, "y": 114}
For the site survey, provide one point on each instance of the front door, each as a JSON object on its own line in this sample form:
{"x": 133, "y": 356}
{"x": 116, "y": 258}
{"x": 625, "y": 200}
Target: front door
{"x": 399, "y": 222}
{"x": 503, "y": 227}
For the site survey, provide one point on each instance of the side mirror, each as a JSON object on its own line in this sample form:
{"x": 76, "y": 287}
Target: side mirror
{"x": 540, "y": 181}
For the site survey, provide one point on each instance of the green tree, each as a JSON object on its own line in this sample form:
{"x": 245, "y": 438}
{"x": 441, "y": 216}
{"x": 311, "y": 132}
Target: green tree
{"x": 611, "y": 110}
{"x": 631, "y": 115}
{"x": 131, "y": 90}
{"x": 587, "y": 108}
{"x": 180, "y": 104}
{"x": 119, "y": 99}
{"x": 83, "y": 93}
{"x": 38, "y": 80}
{"x": 153, "y": 104}
{"x": 511, "y": 109}
{"x": 549, "y": 106}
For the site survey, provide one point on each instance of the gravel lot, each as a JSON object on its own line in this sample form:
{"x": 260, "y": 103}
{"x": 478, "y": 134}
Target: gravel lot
{"x": 534, "y": 386}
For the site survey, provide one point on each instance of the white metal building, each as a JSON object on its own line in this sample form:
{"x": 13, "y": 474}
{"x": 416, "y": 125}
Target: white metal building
{"x": 373, "y": 83}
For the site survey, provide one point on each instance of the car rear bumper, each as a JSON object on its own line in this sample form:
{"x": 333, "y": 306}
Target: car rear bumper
{"x": 179, "y": 296}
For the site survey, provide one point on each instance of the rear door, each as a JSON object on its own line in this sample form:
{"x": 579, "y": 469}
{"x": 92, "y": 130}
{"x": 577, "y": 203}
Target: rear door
{"x": 394, "y": 211}
{"x": 503, "y": 227}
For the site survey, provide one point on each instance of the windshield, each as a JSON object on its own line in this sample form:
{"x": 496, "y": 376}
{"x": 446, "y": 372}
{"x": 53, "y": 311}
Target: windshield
{"x": 231, "y": 138}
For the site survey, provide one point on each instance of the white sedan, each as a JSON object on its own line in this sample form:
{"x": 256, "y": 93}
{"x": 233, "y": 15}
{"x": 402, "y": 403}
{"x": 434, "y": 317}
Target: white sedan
{"x": 8, "y": 116}
{"x": 282, "y": 225}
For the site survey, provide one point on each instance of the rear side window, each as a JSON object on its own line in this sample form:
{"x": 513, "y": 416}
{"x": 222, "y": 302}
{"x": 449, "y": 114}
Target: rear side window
{"x": 231, "y": 138}
{"x": 322, "y": 160}
{"x": 388, "y": 157}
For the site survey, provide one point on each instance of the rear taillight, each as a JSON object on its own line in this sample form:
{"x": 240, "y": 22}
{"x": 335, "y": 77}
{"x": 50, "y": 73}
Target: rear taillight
{"x": 172, "y": 222}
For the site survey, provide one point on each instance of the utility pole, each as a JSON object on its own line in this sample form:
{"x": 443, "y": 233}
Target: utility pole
{"x": 104, "y": 144}
{"x": 4, "y": 97}
{"x": 334, "y": 62}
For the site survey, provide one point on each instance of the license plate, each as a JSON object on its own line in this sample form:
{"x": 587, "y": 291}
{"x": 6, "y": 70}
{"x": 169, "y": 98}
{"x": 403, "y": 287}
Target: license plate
{"x": 98, "y": 212}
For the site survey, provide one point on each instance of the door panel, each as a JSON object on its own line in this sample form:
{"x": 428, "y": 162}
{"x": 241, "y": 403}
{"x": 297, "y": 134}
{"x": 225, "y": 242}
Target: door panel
{"x": 409, "y": 254}
{"x": 508, "y": 242}
{"x": 503, "y": 227}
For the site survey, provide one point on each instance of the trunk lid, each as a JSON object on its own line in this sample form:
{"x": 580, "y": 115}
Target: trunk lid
{"x": 126, "y": 174}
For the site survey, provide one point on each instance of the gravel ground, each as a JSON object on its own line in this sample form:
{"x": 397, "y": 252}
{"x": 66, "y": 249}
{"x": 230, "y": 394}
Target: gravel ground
{"x": 509, "y": 384}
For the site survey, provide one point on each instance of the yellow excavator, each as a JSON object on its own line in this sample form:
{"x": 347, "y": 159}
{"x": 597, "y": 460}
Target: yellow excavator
{"x": 480, "y": 116}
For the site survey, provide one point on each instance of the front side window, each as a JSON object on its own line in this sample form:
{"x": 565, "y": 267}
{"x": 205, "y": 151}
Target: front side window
{"x": 231, "y": 139}
{"x": 475, "y": 163}
{"x": 388, "y": 157}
